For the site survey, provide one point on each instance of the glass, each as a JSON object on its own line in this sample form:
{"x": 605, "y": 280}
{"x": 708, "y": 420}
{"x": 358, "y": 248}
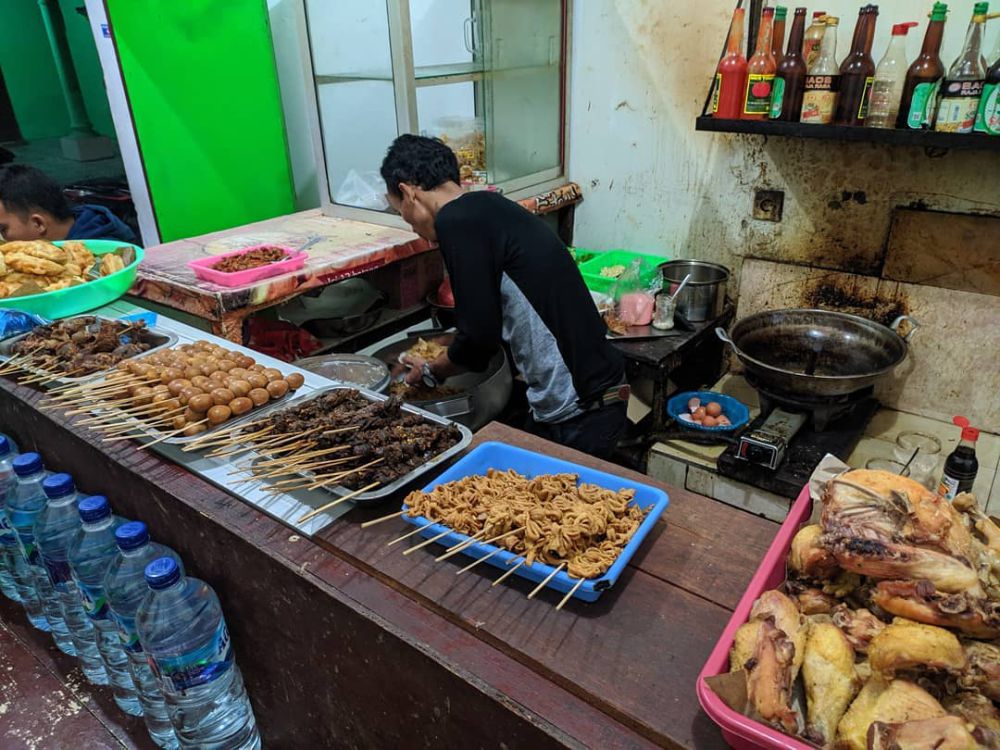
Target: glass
{"x": 928, "y": 452}
{"x": 663, "y": 313}
{"x": 887, "y": 464}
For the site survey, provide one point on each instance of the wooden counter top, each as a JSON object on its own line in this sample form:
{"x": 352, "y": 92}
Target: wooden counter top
{"x": 344, "y": 641}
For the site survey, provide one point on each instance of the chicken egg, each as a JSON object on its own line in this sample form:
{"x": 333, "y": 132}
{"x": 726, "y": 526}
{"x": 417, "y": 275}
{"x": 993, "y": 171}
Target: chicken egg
{"x": 222, "y": 396}
{"x": 713, "y": 409}
{"x": 259, "y": 396}
{"x": 295, "y": 380}
{"x": 240, "y": 405}
{"x": 277, "y": 388}
{"x": 219, "y": 414}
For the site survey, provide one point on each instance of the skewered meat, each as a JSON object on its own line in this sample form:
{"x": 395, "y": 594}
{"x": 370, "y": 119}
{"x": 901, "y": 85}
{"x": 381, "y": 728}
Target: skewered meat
{"x": 830, "y": 680}
{"x": 896, "y": 702}
{"x": 905, "y": 645}
{"x": 919, "y": 600}
{"x": 83, "y": 345}
{"x": 808, "y": 557}
{"x": 858, "y": 625}
{"x": 943, "y": 733}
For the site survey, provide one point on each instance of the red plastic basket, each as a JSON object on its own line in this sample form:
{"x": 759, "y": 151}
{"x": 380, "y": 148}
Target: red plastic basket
{"x": 738, "y": 730}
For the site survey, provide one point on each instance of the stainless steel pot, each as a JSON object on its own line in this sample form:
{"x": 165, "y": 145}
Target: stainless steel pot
{"x": 816, "y": 353}
{"x": 482, "y": 395}
{"x": 704, "y": 297}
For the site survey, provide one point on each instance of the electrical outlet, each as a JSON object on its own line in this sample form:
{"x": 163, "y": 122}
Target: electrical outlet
{"x": 768, "y": 204}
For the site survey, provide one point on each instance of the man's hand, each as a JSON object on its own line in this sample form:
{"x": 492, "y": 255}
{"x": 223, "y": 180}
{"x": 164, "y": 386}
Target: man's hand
{"x": 414, "y": 373}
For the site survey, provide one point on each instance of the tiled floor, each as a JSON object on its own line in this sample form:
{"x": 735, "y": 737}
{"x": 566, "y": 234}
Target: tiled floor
{"x": 47, "y": 156}
{"x": 45, "y": 701}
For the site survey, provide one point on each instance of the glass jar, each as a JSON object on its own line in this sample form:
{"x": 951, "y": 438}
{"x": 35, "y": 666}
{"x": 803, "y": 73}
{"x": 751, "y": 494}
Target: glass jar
{"x": 663, "y": 312}
{"x": 922, "y": 453}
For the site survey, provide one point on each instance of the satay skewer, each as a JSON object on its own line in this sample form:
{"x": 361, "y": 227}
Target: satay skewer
{"x": 472, "y": 540}
{"x": 169, "y": 435}
{"x": 546, "y": 580}
{"x": 407, "y": 535}
{"x": 338, "y": 501}
{"x": 374, "y": 521}
{"x": 478, "y": 560}
{"x": 428, "y": 541}
{"x": 509, "y": 572}
{"x": 569, "y": 594}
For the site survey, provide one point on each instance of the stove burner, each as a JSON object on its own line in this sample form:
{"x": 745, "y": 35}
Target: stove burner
{"x": 822, "y": 410}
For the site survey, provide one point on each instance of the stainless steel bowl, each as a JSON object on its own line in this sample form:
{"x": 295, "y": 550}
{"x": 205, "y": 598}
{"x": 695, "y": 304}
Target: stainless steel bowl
{"x": 704, "y": 297}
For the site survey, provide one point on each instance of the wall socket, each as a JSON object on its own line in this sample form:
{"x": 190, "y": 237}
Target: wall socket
{"x": 768, "y": 204}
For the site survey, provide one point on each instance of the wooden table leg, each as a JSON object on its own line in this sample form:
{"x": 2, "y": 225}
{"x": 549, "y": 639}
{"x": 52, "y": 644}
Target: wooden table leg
{"x": 230, "y": 327}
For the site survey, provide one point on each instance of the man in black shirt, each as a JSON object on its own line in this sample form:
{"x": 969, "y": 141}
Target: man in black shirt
{"x": 513, "y": 281}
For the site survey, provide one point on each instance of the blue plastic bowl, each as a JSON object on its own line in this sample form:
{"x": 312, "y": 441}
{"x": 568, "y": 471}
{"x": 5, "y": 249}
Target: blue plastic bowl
{"x": 735, "y": 410}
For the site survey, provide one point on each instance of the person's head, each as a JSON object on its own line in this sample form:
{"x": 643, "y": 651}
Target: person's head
{"x": 32, "y": 205}
{"x": 421, "y": 175}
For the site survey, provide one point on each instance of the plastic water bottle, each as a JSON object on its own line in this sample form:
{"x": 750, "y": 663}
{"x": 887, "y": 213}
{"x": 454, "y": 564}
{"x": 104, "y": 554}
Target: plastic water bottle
{"x": 91, "y": 552}
{"x": 54, "y": 529}
{"x": 181, "y": 627}
{"x": 8, "y": 541}
{"x": 23, "y": 507}
{"x": 14, "y": 450}
{"x": 126, "y": 587}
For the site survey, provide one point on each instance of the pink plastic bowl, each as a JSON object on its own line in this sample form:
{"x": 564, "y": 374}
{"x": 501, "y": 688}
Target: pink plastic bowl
{"x": 203, "y": 267}
{"x": 739, "y": 731}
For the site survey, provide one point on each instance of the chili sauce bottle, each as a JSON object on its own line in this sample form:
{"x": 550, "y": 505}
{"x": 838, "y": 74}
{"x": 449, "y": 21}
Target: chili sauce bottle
{"x": 962, "y": 88}
{"x": 731, "y": 73}
{"x": 988, "y": 116}
{"x": 823, "y": 79}
{"x": 857, "y": 72}
{"x": 813, "y": 36}
{"x": 890, "y": 77}
{"x": 916, "y": 108}
{"x": 760, "y": 73}
{"x": 778, "y": 33}
{"x": 790, "y": 77}
{"x": 961, "y": 466}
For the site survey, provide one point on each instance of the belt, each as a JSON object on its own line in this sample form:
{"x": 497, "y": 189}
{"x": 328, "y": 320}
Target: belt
{"x": 613, "y": 395}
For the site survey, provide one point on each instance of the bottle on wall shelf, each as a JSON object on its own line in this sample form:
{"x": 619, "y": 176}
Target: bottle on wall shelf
{"x": 857, "y": 72}
{"x": 813, "y": 36}
{"x": 988, "y": 116}
{"x": 790, "y": 76}
{"x": 778, "y": 33}
{"x": 961, "y": 466}
{"x": 760, "y": 72}
{"x": 890, "y": 77}
{"x": 916, "y": 107}
{"x": 731, "y": 73}
{"x": 962, "y": 88}
{"x": 823, "y": 80}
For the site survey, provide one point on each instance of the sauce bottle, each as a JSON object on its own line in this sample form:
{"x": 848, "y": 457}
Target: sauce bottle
{"x": 790, "y": 77}
{"x": 961, "y": 466}
{"x": 823, "y": 79}
{"x": 760, "y": 72}
{"x": 988, "y": 117}
{"x": 813, "y": 36}
{"x": 857, "y": 72}
{"x": 890, "y": 77}
{"x": 962, "y": 88}
{"x": 778, "y": 33}
{"x": 920, "y": 90}
{"x": 731, "y": 73}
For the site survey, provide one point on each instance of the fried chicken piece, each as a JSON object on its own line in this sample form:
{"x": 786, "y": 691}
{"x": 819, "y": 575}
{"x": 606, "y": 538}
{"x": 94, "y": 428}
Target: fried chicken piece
{"x": 33, "y": 264}
{"x": 982, "y": 670}
{"x": 975, "y": 708}
{"x": 858, "y": 625}
{"x": 39, "y": 249}
{"x": 943, "y": 733}
{"x": 830, "y": 680}
{"x": 111, "y": 263}
{"x": 744, "y": 643}
{"x": 974, "y": 616}
{"x": 776, "y": 606}
{"x": 905, "y": 645}
{"x": 896, "y": 702}
{"x": 877, "y": 558}
{"x": 988, "y": 529}
{"x": 808, "y": 557}
{"x": 813, "y": 601}
{"x": 769, "y": 680}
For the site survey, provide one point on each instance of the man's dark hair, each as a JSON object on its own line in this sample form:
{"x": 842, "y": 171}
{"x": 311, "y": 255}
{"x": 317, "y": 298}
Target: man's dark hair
{"x": 25, "y": 189}
{"x": 416, "y": 160}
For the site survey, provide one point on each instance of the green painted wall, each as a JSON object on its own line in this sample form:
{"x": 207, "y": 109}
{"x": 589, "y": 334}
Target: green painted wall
{"x": 201, "y": 83}
{"x": 88, "y": 67}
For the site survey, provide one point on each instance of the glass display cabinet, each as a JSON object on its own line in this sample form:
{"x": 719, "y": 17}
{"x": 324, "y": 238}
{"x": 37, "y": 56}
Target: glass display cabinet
{"x": 485, "y": 76}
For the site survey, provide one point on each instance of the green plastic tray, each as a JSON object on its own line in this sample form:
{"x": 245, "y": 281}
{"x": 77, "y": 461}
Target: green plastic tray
{"x": 77, "y": 299}
{"x": 582, "y": 255}
{"x": 591, "y": 270}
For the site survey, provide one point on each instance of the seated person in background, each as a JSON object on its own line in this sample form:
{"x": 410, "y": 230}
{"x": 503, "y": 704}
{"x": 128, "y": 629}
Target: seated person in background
{"x": 33, "y": 207}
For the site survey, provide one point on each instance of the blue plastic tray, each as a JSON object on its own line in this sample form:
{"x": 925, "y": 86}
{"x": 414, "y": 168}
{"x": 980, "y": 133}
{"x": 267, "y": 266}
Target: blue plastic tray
{"x": 502, "y": 456}
{"x": 735, "y": 409}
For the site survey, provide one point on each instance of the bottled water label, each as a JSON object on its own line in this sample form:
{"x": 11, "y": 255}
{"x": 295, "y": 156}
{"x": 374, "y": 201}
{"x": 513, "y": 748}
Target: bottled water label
{"x": 198, "y": 667}
{"x": 59, "y": 571}
{"x": 6, "y": 531}
{"x": 95, "y": 603}
{"x": 127, "y": 633}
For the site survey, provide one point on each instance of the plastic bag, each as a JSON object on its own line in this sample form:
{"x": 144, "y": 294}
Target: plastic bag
{"x": 635, "y": 303}
{"x": 14, "y": 322}
{"x": 363, "y": 190}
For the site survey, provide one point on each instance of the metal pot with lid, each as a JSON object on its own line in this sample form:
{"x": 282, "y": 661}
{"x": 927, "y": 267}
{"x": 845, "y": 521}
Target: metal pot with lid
{"x": 816, "y": 353}
{"x": 704, "y": 296}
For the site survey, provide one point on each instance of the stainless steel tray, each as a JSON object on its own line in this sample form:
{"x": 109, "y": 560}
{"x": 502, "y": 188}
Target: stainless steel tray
{"x": 164, "y": 338}
{"x": 386, "y": 490}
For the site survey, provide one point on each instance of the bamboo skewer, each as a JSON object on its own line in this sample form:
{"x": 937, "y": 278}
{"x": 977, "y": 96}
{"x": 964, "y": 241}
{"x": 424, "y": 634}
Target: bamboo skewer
{"x": 315, "y": 483}
{"x": 476, "y": 562}
{"x": 407, "y": 535}
{"x": 459, "y": 546}
{"x": 428, "y": 541}
{"x": 509, "y": 572}
{"x": 569, "y": 594}
{"x": 469, "y": 542}
{"x": 374, "y": 521}
{"x": 338, "y": 501}
{"x": 226, "y": 437}
{"x": 169, "y": 435}
{"x": 546, "y": 580}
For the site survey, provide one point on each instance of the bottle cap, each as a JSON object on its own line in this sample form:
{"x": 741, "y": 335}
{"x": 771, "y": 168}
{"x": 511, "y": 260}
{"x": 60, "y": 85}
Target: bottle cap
{"x": 4, "y": 446}
{"x": 768, "y": 12}
{"x": 968, "y": 433}
{"x": 818, "y": 14}
{"x": 780, "y": 12}
{"x": 26, "y": 464}
{"x": 832, "y": 21}
{"x": 131, "y": 535}
{"x": 94, "y": 508}
{"x": 58, "y": 485}
{"x": 162, "y": 572}
{"x": 980, "y": 9}
{"x": 939, "y": 12}
{"x": 900, "y": 29}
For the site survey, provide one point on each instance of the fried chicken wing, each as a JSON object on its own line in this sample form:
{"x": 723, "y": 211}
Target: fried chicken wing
{"x": 769, "y": 678}
{"x": 891, "y": 703}
{"x": 905, "y": 645}
{"x": 943, "y": 733}
{"x": 830, "y": 680}
{"x": 859, "y": 625}
{"x": 976, "y": 617}
{"x": 808, "y": 557}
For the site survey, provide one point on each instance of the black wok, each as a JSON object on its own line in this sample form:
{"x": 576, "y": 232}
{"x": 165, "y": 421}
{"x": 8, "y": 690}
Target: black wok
{"x": 815, "y": 353}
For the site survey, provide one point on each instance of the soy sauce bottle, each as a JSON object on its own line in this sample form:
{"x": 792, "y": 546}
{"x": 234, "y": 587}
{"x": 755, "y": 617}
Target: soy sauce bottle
{"x": 961, "y": 466}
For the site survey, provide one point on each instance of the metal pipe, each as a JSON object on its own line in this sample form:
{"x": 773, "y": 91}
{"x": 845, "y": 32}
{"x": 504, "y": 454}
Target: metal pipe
{"x": 55, "y": 29}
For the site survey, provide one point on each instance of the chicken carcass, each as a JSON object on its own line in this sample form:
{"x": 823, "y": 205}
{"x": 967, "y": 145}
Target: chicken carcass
{"x": 982, "y": 670}
{"x": 859, "y": 625}
{"x": 974, "y": 616}
{"x": 877, "y": 558}
{"x": 905, "y": 645}
{"x": 896, "y": 702}
{"x": 830, "y": 680}
{"x": 943, "y": 733}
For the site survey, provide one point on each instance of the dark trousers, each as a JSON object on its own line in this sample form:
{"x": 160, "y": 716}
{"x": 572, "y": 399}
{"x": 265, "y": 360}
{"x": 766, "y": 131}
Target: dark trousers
{"x": 594, "y": 432}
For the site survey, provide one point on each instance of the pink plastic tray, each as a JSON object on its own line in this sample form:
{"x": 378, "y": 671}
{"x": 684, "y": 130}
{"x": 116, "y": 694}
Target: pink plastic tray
{"x": 203, "y": 267}
{"x": 738, "y": 730}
